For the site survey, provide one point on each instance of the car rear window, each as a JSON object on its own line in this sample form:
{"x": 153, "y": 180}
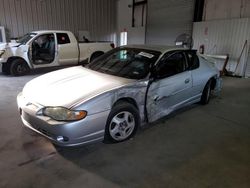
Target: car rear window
{"x": 62, "y": 38}
{"x": 193, "y": 60}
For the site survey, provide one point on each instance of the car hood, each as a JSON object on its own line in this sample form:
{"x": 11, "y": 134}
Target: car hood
{"x": 8, "y": 45}
{"x": 68, "y": 86}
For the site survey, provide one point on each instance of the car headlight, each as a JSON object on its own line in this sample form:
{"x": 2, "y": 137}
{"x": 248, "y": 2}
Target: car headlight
{"x": 64, "y": 114}
{"x": 1, "y": 52}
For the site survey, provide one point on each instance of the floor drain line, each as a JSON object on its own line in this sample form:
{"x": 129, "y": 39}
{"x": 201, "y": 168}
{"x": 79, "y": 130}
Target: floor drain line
{"x": 35, "y": 159}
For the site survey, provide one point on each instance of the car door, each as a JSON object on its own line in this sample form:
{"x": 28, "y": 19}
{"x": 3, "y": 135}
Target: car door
{"x": 67, "y": 50}
{"x": 42, "y": 51}
{"x": 171, "y": 86}
{"x": 198, "y": 80}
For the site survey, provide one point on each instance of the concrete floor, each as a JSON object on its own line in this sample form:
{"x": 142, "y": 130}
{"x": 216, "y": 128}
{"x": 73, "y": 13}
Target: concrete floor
{"x": 201, "y": 146}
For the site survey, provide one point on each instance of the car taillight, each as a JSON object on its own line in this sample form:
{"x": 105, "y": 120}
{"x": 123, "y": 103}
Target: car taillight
{"x": 112, "y": 45}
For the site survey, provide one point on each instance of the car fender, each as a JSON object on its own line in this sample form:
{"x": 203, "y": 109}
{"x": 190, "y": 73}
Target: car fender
{"x": 18, "y": 52}
{"x": 105, "y": 101}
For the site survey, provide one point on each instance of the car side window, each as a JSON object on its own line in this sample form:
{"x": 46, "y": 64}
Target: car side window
{"x": 193, "y": 60}
{"x": 62, "y": 38}
{"x": 171, "y": 64}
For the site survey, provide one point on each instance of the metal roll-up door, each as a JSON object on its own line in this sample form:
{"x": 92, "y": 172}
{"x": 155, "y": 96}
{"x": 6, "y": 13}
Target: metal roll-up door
{"x": 168, "y": 19}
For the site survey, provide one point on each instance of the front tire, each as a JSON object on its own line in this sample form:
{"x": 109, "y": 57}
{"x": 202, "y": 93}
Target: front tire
{"x": 206, "y": 93}
{"x": 18, "y": 67}
{"x": 122, "y": 122}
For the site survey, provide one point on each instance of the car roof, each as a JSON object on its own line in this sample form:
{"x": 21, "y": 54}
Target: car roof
{"x": 48, "y": 31}
{"x": 160, "y": 48}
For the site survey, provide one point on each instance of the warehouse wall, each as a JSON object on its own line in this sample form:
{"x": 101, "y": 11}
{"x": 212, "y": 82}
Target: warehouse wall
{"x": 223, "y": 37}
{"x": 226, "y": 9}
{"x": 225, "y": 29}
{"x": 136, "y": 35}
{"x": 96, "y": 16}
{"x": 168, "y": 19}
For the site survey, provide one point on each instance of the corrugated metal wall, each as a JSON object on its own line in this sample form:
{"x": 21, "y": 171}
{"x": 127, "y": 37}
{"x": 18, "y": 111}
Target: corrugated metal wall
{"x": 95, "y": 16}
{"x": 224, "y": 37}
{"x": 226, "y": 9}
{"x": 168, "y": 19}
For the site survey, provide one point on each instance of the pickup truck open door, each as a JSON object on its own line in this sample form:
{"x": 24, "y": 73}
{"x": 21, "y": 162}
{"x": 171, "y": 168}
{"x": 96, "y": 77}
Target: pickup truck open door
{"x": 43, "y": 50}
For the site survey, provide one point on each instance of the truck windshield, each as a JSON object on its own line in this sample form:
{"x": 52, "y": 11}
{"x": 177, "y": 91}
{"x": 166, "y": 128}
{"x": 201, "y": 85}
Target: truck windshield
{"x": 131, "y": 63}
{"x": 24, "y": 39}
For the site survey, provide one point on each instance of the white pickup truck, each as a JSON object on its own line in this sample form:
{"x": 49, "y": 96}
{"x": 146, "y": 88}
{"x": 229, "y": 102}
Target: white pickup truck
{"x": 47, "y": 49}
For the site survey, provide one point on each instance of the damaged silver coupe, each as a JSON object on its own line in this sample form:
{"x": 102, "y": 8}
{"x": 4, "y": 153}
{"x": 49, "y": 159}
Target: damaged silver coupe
{"x": 112, "y": 96}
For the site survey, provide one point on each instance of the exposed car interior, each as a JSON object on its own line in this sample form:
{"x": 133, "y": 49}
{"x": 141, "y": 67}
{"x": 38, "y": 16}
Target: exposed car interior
{"x": 193, "y": 60}
{"x": 171, "y": 65}
{"x": 43, "y": 49}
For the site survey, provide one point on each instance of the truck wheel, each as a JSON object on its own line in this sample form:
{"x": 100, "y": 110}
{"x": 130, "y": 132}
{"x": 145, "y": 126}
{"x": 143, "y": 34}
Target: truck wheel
{"x": 6, "y": 68}
{"x": 95, "y": 55}
{"x": 18, "y": 67}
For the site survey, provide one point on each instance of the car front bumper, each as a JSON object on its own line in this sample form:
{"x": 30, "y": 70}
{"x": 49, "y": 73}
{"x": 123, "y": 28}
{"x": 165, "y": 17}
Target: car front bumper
{"x": 3, "y": 60}
{"x": 88, "y": 130}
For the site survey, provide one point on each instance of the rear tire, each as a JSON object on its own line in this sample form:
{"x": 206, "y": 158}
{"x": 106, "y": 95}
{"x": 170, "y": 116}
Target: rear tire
{"x": 6, "y": 68}
{"x": 18, "y": 67}
{"x": 206, "y": 93}
{"x": 122, "y": 122}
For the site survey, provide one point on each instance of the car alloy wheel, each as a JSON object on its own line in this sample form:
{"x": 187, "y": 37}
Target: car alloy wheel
{"x": 122, "y": 122}
{"x": 21, "y": 68}
{"x": 206, "y": 93}
{"x": 122, "y": 126}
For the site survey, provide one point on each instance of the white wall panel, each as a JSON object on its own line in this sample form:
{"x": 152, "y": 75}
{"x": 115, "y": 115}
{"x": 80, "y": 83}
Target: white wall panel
{"x": 226, "y": 9}
{"x": 96, "y": 16}
{"x": 168, "y": 19}
{"x": 224, "y": 37}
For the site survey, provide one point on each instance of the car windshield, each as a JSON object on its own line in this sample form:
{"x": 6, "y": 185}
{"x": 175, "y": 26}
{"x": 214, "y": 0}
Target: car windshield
{"x": 131, "y": 63}
{"x": 24, "y": 39}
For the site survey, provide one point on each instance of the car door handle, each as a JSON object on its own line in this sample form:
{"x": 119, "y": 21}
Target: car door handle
{"x": 187, "y": 81}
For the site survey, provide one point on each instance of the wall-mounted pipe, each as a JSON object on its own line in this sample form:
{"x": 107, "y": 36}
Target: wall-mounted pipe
{"x": 134, "y": 4}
